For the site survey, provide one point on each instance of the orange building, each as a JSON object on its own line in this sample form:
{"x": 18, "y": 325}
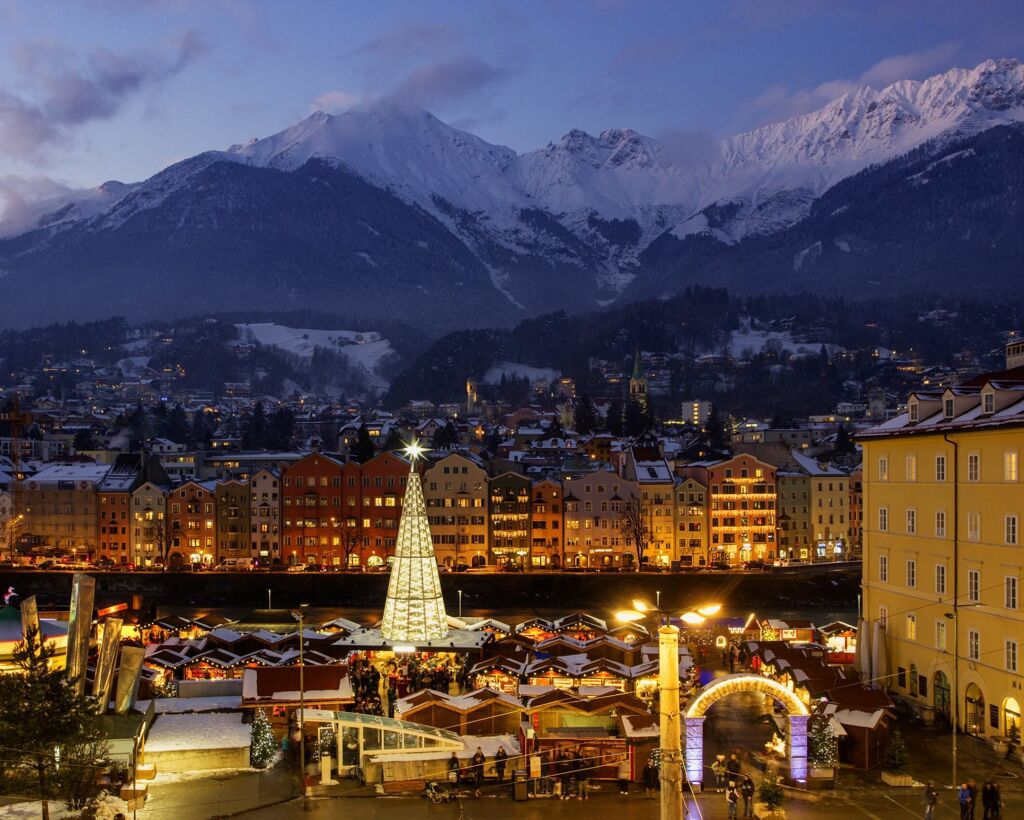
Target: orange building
{"x": 192, "y": 524}
{"x": 547, "y": 524}
{"x": 312, "y": 508}
{"x": 382, "y": 482}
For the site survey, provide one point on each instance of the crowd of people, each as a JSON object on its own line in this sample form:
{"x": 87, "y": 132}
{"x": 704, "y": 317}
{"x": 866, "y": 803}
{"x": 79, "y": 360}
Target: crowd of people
{"x": 378, "y": 685}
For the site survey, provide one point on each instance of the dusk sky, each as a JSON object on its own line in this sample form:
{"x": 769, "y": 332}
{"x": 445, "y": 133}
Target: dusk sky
{"x": 111, "y": 89}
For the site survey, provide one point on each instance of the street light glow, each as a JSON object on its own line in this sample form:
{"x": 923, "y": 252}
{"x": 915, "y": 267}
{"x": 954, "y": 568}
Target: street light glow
{"x": 709, "y": 609}
{"x": 629, "y": 615}
{"x": 692, "y": 618}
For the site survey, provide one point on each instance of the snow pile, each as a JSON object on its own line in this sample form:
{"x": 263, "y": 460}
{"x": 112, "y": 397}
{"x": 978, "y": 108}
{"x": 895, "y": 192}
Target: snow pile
{"x": 178, "y": 733}
{"x": 750, "y": 340}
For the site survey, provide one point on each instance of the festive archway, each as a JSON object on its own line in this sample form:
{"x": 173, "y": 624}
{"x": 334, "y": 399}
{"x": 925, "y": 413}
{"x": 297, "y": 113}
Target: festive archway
{"x": 796, "y": 740}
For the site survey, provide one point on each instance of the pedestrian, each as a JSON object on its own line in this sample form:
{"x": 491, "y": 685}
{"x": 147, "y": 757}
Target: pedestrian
{"x": 747, "y": 790}
{"x": 972, "y": 787}
{"x": 453, "y": 768}
{"x": 392, "y": 697}
{"x": 582, "y": 776}
{"x": 624, "y": 774}
{"x": 718, "y": 768}
{"x": 478, "y": 767}
{"x": 931, "y": 798}
{"x": 499, "y": 764}
{"x": 964, "y": 796}
{"x": 732, "y": 797}
{"x": 650, "y": 777}
{"x": 732, "y": 767}
{"x": 990, "y": 799}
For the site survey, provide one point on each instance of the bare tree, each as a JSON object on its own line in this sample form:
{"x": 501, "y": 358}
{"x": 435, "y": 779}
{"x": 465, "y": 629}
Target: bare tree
{"x": 636, "y": 529}
{"x": 351, "y": 538}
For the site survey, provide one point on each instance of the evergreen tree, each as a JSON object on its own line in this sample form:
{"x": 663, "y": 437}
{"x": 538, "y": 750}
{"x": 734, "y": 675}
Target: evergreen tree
{"x": 714, "y": 430}
{"x": 281, "y": 429}
{"x": 586, "y": 415}
{"x": 84, "y": 440}
{"x": 636, "y": 421}
{"x": 175, "y": 426}
{"x": 263, "y": 747}
{"x": 362, "y": 451}
{"x": 614, "y": 418}
{"x": 201, "y": 432}
{"x": 40, "y": 713}
{"x": 255, "y": 434}
{"x": 447, "y": 437}
{"x": 393, "y": 441}
{"x": 896, "y": 758}
{"x": 822, "y": 745}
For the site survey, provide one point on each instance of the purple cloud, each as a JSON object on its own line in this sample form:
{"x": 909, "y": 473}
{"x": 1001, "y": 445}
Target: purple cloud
{"x": 72, "y": 89}
{"x": 437, "y": 84}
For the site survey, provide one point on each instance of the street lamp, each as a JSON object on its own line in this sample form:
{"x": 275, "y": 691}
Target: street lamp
{"x": 302, "y": 707}
{"x": 954, "y": 708}
{"x": 669, "y": 702}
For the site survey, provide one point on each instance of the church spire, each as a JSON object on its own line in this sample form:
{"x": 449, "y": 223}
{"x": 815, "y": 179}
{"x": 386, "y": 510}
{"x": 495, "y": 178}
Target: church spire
{"x": 414, "y": 611}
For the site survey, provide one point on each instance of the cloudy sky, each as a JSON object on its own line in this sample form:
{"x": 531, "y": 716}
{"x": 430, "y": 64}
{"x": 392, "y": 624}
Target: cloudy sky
{"x": 117, "y": 89}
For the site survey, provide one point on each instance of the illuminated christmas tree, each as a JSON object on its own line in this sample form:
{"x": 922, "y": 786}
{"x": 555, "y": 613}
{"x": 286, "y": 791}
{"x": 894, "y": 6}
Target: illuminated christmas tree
{"x": 414, "y": 610}
{"x": 262, "y": 747}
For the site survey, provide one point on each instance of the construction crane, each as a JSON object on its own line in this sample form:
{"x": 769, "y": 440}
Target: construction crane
{"x": 17, "y": 421}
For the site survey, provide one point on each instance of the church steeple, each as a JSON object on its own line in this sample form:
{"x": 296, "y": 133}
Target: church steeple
{"x": 638, "y": 382}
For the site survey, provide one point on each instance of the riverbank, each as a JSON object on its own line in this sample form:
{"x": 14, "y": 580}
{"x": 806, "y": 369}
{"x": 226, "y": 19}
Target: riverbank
{"x": 782, "y": 589}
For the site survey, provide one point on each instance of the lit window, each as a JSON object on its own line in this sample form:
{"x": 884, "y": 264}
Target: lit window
{"x": 911, "y": 627}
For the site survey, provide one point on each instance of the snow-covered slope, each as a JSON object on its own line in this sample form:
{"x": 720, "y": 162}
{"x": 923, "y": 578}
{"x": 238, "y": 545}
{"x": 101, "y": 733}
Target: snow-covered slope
{"x": 366, "y": 352}
{"x": 570, "y": 221}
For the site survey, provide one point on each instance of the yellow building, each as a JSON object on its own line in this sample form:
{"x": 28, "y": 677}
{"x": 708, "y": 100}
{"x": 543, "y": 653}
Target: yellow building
{"x": 645, "y": 464}
{"x": 942, "y": 505}
{"x": 814, "y": 514}
{"x": 691, "y": 514}
{"x": 455, "y": 492}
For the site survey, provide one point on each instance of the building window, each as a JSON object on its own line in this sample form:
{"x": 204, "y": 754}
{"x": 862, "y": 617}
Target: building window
{"x": 883, "y": 568}
{"x": 940, "y": 524}
{"x": 883, "y": 468}
{"x": 1010, "y": 592}
{"x": 1011, "y": 655}
{"x": 988, "y": 401}
{"x": 973, "y": 525}
{"x": 973, "y": 466}
{"x": 911, "y": 627}
{"x": 940, "y": 468}
{"x": 883, "y": 616}
{"x": 911, "y": 463}
{"x": 911, "y": 573}
{"x": 883, "y": 519}
{"x": 912, "y": 410}
{"x": 948, "y": 407}
{"x": 973, "y": 645}
{"x": 974, "y": 585}
{"x": 940, "y": 579}
{"x": 940, "y": 635}
{"x": 1010, "y": 465}
{"x": 1010, "y": 529}
{"x": 911, "y": 522}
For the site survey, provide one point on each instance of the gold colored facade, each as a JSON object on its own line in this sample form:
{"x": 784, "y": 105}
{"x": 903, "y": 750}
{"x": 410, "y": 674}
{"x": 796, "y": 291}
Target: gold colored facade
{"x": 943, "y": 501}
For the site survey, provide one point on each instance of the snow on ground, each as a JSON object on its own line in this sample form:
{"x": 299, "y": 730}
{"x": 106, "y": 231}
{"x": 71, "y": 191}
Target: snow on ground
{"x": 133, "y": 364}
{"x": 198, "y": 731}
{"x": 519, "y": 371}
{"x": 169, "y": 706}
{"x": 367, "y": 351}
{"x": 757, "y": 341}
{"x": 107, "y": 806}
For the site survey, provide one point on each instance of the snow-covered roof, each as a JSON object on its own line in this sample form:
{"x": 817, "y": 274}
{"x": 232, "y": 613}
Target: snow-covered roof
{"x": 188, "y": 732}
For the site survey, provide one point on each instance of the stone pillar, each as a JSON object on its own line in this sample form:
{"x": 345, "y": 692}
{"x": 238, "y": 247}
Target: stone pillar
{"x": 796, "y": 747}
{"x": 695, "y": 750}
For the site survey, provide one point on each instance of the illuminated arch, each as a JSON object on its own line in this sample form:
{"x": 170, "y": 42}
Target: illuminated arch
{"x": 731, "y": 684}
{"x": 796, "y": 740}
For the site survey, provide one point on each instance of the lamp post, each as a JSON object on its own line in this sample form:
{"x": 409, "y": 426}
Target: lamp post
{"x": 302, "y": 707}
{"x": 669, "y": 702}
{"x": 954, "y": 707}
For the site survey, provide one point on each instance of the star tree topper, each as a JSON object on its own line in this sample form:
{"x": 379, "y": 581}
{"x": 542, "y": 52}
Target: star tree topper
{"x": 414, "y": 450}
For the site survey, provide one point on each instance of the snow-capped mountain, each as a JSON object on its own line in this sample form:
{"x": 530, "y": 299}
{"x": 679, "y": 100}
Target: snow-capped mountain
{"x": 573, "y": 224}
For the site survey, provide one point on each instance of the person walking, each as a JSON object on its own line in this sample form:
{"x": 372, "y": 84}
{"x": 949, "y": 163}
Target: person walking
{"x": 732, "y": 768}
{"x": 500, "y": 759}
{"x": 931, "y": 798}
{"x": 972, "y": 787}
{"x": 747, "y": 790}
{"x": 990, "y": 800}
{"x": 732, "y": 797}
{"x": 582, "y": 775}
{"x": 624, "y": 774}
{"x": 650, "y": 777}
{"x": 964, "y": 796}
{"x": 718, "y": 768}
{"x": 453, "y": 768}
{"x": 478, "y": 767}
